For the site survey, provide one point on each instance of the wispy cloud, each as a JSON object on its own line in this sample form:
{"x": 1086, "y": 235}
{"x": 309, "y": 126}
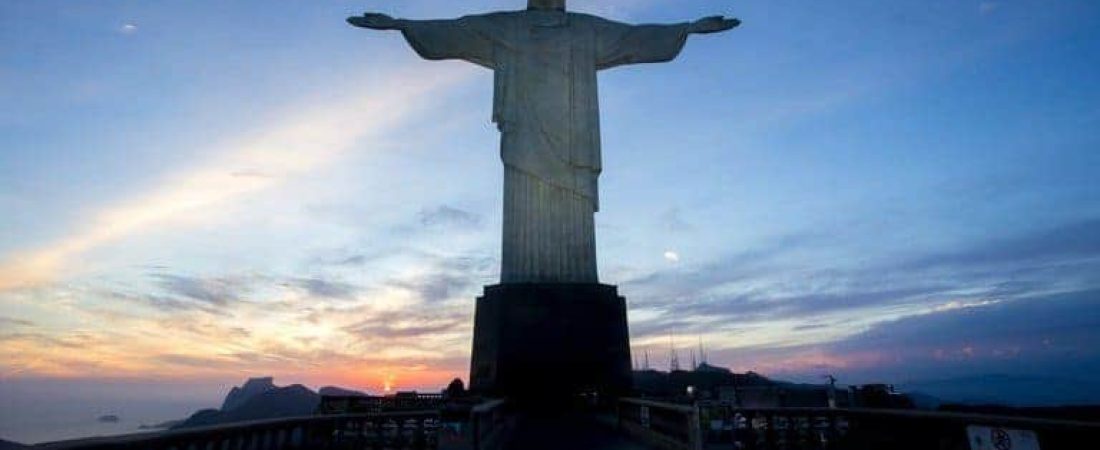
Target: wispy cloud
{"x": 448, "y": 216}
{"x": 11, "y": 322}
{"x": 215, "y": 291}
{"x": 445, "y": 277}
{"x": 1054, "y": 333}
{"x": 768, "y": 298}
{"x": 305, "y": 139}
{"x": 318, "y": 287}
{"x": 163, "y": 303}
{"x": 128, "y": 28}
{"x": 410, "y": 324}
{"x": 1065, "y": 242}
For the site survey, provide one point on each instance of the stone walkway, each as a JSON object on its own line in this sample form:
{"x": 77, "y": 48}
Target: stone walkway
{"x": 567, "y": 433}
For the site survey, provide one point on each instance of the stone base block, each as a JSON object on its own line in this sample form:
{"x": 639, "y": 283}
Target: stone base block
{"x": 550, "y": 341}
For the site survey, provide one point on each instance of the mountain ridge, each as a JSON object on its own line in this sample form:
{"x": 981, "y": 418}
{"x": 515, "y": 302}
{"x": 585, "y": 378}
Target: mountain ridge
{"x": 289, "y": 401}
{"x": 251, "y": 388}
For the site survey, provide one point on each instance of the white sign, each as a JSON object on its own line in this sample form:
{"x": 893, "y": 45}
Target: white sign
{"x": 993, "y": 438}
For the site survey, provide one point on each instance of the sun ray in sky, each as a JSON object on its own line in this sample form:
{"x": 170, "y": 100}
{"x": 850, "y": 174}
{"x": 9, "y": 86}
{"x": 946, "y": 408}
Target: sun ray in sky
{"x": 309, "y": 137}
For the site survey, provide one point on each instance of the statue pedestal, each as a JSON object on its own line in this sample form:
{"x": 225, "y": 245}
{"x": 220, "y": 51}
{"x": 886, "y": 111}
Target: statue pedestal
{"x": 549, "y": 340}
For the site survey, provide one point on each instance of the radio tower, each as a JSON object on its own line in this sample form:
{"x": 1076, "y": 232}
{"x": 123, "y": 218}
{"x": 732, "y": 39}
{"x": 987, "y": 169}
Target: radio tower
{"x": 702, "y": 353}
{"x": 673, "y": 357}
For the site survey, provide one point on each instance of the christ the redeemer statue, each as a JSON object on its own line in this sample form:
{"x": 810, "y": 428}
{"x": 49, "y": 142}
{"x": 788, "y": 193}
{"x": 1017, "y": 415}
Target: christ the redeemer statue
{"x": 549, "y": 312}
{"x": 545, "y": 61}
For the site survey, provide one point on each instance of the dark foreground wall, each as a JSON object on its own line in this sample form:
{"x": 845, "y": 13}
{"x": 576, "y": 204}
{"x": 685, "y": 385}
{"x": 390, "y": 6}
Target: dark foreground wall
{"x": 550, "y": 341}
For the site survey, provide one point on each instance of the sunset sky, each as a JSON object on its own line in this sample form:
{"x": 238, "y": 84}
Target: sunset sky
{"x": 202, "y": 191}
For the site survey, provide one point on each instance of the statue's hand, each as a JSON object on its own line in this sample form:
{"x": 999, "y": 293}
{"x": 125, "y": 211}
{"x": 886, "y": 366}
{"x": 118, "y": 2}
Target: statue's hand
{"x": 375, "y": 21}
{"x": 713, "y": 24}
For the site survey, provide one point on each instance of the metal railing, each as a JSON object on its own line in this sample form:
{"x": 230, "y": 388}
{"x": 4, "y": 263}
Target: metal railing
{"x": 682, "y": 427}
{"x": 472, "y": 425}
{"x": 825, "y": 428}
{"x": 664, "y": 425}
{"x": 491, "y": 423}
{"x": 367, "y": 404}
{"x": 488, "y": 425}
{"x": 400, "y": 430}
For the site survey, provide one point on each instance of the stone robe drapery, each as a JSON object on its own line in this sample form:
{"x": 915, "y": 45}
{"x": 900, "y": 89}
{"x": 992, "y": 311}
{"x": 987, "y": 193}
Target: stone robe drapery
{"x": 547, "y": 108}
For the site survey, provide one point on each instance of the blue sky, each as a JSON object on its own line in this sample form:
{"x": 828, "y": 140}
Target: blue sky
{"x": 206, "y": 190}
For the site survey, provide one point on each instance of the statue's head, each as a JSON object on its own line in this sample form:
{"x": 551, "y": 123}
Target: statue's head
{"x": 558, "y": 5}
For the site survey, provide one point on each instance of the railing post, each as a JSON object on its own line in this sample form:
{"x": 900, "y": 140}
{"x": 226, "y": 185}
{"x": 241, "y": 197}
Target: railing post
{"x": 475, "y": 430}
{"x": 735, "y": 431}
{"x": 246, "y": 440}
{"x": 619, "y": 415}
{"x": 417, "y": 434}
{"x": 754, "y": 435}
{"x": 406, "y": 433}
{"x": 771, "y": 435}
{"x": 791, "y": 433}
{"x": 695, "y": 428}
{"x": 805, "y": 431}
{"x": 833, "y": 433}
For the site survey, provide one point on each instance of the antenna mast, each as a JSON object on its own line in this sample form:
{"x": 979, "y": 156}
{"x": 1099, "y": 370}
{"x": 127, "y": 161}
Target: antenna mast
{"x": 673, "y": 357}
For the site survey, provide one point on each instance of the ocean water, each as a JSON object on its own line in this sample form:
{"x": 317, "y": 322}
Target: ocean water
{"x": 35, "y": 422}
{"x": 32, "y": 413}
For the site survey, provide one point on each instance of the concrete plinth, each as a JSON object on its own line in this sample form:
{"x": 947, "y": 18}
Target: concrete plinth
{"x": 550, "y": 340}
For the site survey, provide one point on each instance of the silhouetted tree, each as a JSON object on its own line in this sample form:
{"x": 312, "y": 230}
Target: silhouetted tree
{"x": 455, "y": 389}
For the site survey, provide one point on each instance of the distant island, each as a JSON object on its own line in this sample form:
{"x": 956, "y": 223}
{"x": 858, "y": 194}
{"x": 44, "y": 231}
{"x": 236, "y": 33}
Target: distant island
{"x": 109, "y": 418}
{"x": 162, "y": 425}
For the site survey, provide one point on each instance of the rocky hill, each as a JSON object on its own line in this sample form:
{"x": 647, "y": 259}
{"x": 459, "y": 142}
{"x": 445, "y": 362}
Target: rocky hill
{"x": 259, "y": 400}
{"x": 251, "y": 388}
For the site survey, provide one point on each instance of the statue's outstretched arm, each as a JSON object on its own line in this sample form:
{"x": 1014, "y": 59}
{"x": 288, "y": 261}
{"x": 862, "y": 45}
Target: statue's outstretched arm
{"x": 377, "y": 21}
{"x": 467, "y": 38}
{"x": 713, "y": 24}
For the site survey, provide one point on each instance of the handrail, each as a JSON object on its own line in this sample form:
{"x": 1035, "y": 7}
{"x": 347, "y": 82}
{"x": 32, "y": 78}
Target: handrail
{"x": 664, "y": 425}
{"x": 670, "y": 406}
{"x": 978, "y": 419}
{"x": 490, "y": 425}
{"x": 487, "y": 406}
{"x": 288, "y": 425}
{"x": 798, "y": 428}
{"x": 679, "y": 426}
